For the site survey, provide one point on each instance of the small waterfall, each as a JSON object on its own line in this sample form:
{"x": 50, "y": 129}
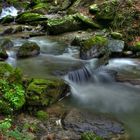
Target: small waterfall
{"x": 8, "y": 11}
{"x": 89, "y": 74}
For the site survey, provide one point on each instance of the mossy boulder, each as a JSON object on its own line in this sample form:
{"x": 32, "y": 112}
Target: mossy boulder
{"x": 28, "y": 49}
{"x": 44, "y": 92}
{"x": 6, "y": 43}
{"x": 70, "y": 23}
{"x": 7, "y": 19}
{"x": 30, "y": 18}
{"x": 90, "y": 136}
{"x": 12, "y": 93}
{"x": 3, "y": 54}
{"x": 63, "y": 24}
{"x": 94, "y": 47}
{"x": 87, "y": 22}
{"x": 106, "y": 10}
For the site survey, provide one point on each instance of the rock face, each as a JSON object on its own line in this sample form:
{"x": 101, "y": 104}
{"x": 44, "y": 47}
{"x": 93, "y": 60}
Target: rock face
{"x": 83, "y": 121}
{"x": 44, "y": 92}
{"x": 28, "y": 49}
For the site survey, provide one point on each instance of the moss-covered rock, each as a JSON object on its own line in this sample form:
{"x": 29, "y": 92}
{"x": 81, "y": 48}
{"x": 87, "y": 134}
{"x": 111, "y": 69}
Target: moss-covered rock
{"x": 6, "y": 43}
{"x": 28, "y": 49}
{"x": 44, "y": 92}
{"x": 7, "y": 19}
{"x": 87, "y": 22}
{"x": 116, "y": 35}
{"x": 62, "y": 25}
{"x": 3, "y": 54}
{"x": 90, "y": 136}
{"x": 106, "y": 10}
{"x": 30, "y": 18}
{"x": 94, "y": 47}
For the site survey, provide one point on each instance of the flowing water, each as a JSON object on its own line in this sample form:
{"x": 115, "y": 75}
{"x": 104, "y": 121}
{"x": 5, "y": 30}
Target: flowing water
{"x": 91, "y": 88}
{"x": 12, "y": 11}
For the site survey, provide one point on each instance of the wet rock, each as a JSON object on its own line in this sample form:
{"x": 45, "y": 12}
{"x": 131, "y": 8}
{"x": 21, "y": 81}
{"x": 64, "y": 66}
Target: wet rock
{"x": 30, "y": 18}
{"x": 101, "y": 125}
{"x": 8, "y": 31}
{"x": 6, "y": 43}
{"x": 28, "y": 49}
{"x": 7, "y": 19}
{"x": 116, "y": 35}
{"x": 94, "y": 47}
{"x": 116, "y": 47}
{"x": 3, "y": 54}
{"x": 44, "y": 92}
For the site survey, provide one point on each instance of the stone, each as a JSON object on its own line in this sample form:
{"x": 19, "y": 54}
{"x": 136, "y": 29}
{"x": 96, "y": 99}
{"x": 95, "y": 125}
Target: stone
{"x": 82, "y": 121}
{"x": 7, "y": 19}
{"x": 30, "y": 18}
{"x": 28, "y": 49}
{"x": 94, "y": 47}
{"x": 116, "y": 47}
{"x": 6, "y": 43}
{"x": 61, "y": 25}
{"x": 44, "y": 92}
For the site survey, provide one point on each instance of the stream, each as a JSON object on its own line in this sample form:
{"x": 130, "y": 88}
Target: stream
{"x": 98, "y": 95}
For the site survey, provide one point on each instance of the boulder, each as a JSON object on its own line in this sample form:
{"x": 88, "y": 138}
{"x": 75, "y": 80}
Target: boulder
{"x": 6, "y": 43}
{"x": 106, "y": 11}
{"x": 44, "y": 92}
{"x": 116, "y": 47}
{"x": 63, "y": 24}
{"x": 94, "y": 47}
{"x": 82, "y": 121}
{"x": 3, "y": 54}
{"x": 70, "y": 23}
{"x": 30, "y": 18}
{"x": 7, "y": 19}
{"x": 28, "y": 49}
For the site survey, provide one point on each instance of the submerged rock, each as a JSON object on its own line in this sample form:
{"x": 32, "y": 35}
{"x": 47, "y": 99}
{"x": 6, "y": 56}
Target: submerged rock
{"x": 44, "y": 92}
{"x": 101, "y": 125}
{"x": 28, "y": 49}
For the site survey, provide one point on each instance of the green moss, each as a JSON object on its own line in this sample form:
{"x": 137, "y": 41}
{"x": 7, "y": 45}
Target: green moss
{"x": 28, "y": 17}
{"x": 95, "y": 40}
{"x": 42, "y": 115}
{"x": 116, "y": 35}
{"x": 93, "y": 8}
{"x": 90, "y": 136}
{"x": 88, "y": 22}
{"x": 44, "y": 91}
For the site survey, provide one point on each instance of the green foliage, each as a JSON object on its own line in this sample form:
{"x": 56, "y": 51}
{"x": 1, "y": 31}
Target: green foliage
{"x": 42, "y": 115}
{"x": 90, "y": 136}
{"x": 5, "y": 124}
{"x": 13, "y": 95}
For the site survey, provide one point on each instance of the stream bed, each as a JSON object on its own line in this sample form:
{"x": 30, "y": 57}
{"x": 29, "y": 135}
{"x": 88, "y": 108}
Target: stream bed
{"x": 57, "y": 59}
